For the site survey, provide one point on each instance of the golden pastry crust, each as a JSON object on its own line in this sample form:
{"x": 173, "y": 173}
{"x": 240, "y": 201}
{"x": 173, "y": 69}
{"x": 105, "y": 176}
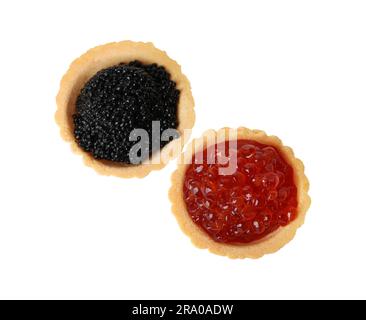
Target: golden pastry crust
{"x": 98, "y": 58}
{"x": 257, "y": 249}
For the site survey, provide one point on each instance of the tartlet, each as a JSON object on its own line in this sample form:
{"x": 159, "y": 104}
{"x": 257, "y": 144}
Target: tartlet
{"x": 266, "y": 195}
{"x": 82, "y": 71}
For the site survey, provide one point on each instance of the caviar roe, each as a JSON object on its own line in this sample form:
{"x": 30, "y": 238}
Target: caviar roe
{"x": 258, "y": 198}
{"x": 119, "y": 99}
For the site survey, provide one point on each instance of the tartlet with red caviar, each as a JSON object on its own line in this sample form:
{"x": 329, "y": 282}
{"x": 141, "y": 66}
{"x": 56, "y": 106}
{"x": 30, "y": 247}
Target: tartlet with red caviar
{"x": 239, "y": 193}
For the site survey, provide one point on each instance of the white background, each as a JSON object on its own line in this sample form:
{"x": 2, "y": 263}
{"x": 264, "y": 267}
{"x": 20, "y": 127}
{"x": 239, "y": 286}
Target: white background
{"x": 296, "y": 69}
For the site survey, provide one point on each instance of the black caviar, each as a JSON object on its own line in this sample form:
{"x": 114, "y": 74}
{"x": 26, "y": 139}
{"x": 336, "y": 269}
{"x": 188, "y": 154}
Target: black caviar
{"x": 118, "y": 100}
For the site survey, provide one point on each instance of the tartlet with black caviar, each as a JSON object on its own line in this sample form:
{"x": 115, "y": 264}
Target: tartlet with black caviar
{"x": 239, "y": 193}
{"x": 113, "y": 91}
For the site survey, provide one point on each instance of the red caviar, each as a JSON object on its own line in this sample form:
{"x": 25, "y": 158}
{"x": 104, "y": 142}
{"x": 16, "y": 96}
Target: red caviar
{"x": 251, "y": 202}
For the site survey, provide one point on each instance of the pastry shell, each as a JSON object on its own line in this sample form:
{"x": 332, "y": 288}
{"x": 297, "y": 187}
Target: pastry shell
{"x": 257, "y": 249}
{"x": 98, "y": 58}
